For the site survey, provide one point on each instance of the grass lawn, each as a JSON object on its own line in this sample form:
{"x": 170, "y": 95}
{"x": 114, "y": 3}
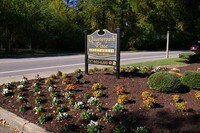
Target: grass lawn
{"x": 162, "y": 62}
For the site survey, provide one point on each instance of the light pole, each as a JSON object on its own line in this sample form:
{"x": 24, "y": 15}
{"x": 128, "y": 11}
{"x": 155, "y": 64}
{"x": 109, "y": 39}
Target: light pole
{"x": 167, "y": 45}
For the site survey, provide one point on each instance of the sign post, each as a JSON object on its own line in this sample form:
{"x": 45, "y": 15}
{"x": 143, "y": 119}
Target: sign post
{"x": 86, "y": 54}
{"x": 101, "y": 46}
{"x": 118, "y": 51}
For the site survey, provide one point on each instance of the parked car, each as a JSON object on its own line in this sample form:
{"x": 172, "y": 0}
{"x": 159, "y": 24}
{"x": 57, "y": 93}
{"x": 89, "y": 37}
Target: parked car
{"x": 194, "y": 48}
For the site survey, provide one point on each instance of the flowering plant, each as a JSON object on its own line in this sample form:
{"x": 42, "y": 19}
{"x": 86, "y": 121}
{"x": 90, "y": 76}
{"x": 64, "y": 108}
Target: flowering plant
{"x": 108, "y": 118}
{"x": 70, "y": 87}
{"x": 22, "y": 107}
{"x": 6, "y": 92}
{"x": 149, "y": 103}
{"x": 79, "y": 105}
{"x": 93, "y": 127}
{"x": 119, "y": 90}
{"x": 42, "y": 119}
{"x": 62, "y": 116}
{"x": 21, "y": 87}
{"x": 92, "y": 100}
{"x": 21, "y": 98}
{"x": 181, "y": 106}
{"x": 86, "y": 115}
{"x": 60, "y": 109}
{"x": 39, "y": 109}
{"x": 66, "y": 81}
{"x": 146, "y": 94}
{"x": 98, "y": 93}
{"x": 118, "y": 107}
{"x": 197, "y": 95}
{"x": 23, "y": 81}
{"x": 122, "y": 99}
{"x": 97, "y": 86}
{"x": 68, "y": 94}
{"x": 176, "y": 98}
{"x": 55, "y": 101}
{"x": 50, "y": 88}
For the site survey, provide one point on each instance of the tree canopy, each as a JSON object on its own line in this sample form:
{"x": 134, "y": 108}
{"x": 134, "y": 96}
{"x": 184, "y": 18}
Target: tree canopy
{"x": 52, "y": 25}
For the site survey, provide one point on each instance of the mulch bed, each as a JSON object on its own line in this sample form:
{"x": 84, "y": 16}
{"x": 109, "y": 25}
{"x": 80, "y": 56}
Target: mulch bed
{"x": 163, "y": 118}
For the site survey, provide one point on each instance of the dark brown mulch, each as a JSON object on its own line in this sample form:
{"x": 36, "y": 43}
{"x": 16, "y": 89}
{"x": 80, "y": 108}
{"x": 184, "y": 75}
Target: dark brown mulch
{"x": 163, "y": 118}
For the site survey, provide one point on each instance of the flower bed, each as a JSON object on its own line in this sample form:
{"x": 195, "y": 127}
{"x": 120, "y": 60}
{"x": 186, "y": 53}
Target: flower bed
{"x": 97, "y": 102}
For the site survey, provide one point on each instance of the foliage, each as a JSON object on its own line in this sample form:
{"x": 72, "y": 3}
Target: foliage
{"x": 149, "y": 103}
{"x": 64, "y": 75}
{"x": 42, "y": 24}
{"x": 86, "y": 96}
{"x": 186, "y": 56}
{"x": 93, "y": 127}
{"x": 71, "y": 102}
{"x": 77, "y": 71}
{"x": 71, "y": 87}
{"x": 22, "y": 107}
{"x": 164, "y": 82}
{"x": 68, "y": 127}
{"x": 146, "y": 94}
{"x": 197, "y": 95}
{"x": 6, "y": 92}
{"x": 108, "y": 118}
{"x": 191, "y": 79}
{"x": 68, "y": 94}
{"x": 21, "y": 98}
{"x": 92, "y": 100}
{"x": 99, "y": 107}
{"x": 122, "y": 99}
{"x": 120, "y": 129}
{"x": 86, "y": 115}
{"x": 119, "y": 90}
{"x": 59, "y": 74}
{"x": 98, "y": 93}
{"x": 60, "y": 109}
{"x": 118, "y": 107}
{"x": 97, "y": 86}
{"x": 38, "y": 100}
{"x": 39, "y": 109}
{"x": 79, "y": 105}
{"x": 66, "y": 81}
{"x": 142, "y": 130}
{"x": 49, "y": 81}
{"x": 55, "y": 101}
{"x": 62, "y": 116}
{"x": 42, "y": 119}
{"x": 176, "y": 98}
{"x": 181, "y": 106}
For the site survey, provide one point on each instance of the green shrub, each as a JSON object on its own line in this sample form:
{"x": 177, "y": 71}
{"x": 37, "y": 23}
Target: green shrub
{"x": 185, "y": 56}
{"x": 164, "y": 82}
{"x": 191, "y": 79}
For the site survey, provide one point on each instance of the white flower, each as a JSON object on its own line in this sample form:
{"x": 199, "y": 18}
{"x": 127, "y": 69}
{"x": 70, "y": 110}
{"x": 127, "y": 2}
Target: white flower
{"x": 5, "y": 91}
{"x": 20, "y": 87}
{"x": 95, "y": 123}
{"x": 92, "y": 100}
{"x": 62, "y": 116}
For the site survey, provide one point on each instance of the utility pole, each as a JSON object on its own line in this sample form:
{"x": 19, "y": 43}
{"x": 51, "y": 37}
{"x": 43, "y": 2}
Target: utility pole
{"x": 167, "y": 45}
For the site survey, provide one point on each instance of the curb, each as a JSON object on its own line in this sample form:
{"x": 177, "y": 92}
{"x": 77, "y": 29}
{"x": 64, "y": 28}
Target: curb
{"x": 22, "y": 125}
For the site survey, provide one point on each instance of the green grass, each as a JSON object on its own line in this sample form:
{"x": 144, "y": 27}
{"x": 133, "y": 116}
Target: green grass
{"x": 162, "y": 62}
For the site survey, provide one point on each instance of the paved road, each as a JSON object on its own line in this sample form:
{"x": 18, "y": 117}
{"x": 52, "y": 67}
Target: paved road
{"x": 23, "y": 66}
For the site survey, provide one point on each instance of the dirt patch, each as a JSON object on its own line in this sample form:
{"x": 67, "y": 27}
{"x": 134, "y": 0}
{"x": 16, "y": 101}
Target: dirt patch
{"x": 163, "y": 118}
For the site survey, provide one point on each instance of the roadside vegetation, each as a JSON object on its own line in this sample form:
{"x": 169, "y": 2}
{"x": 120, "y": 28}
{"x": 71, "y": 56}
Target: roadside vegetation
{"x": 51, "y": 25}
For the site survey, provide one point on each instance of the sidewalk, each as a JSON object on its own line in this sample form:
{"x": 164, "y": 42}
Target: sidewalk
{"x": 11, "y": 123}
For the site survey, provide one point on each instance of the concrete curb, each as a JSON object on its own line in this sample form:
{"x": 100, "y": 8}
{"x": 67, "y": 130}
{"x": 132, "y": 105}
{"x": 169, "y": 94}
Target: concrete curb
{"x": 22, "y": 125}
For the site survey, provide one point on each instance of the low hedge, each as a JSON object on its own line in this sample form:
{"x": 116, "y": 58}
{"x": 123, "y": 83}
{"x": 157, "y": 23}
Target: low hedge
{"x": 164, "y": 82}
{"x": 191, "y": 79}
